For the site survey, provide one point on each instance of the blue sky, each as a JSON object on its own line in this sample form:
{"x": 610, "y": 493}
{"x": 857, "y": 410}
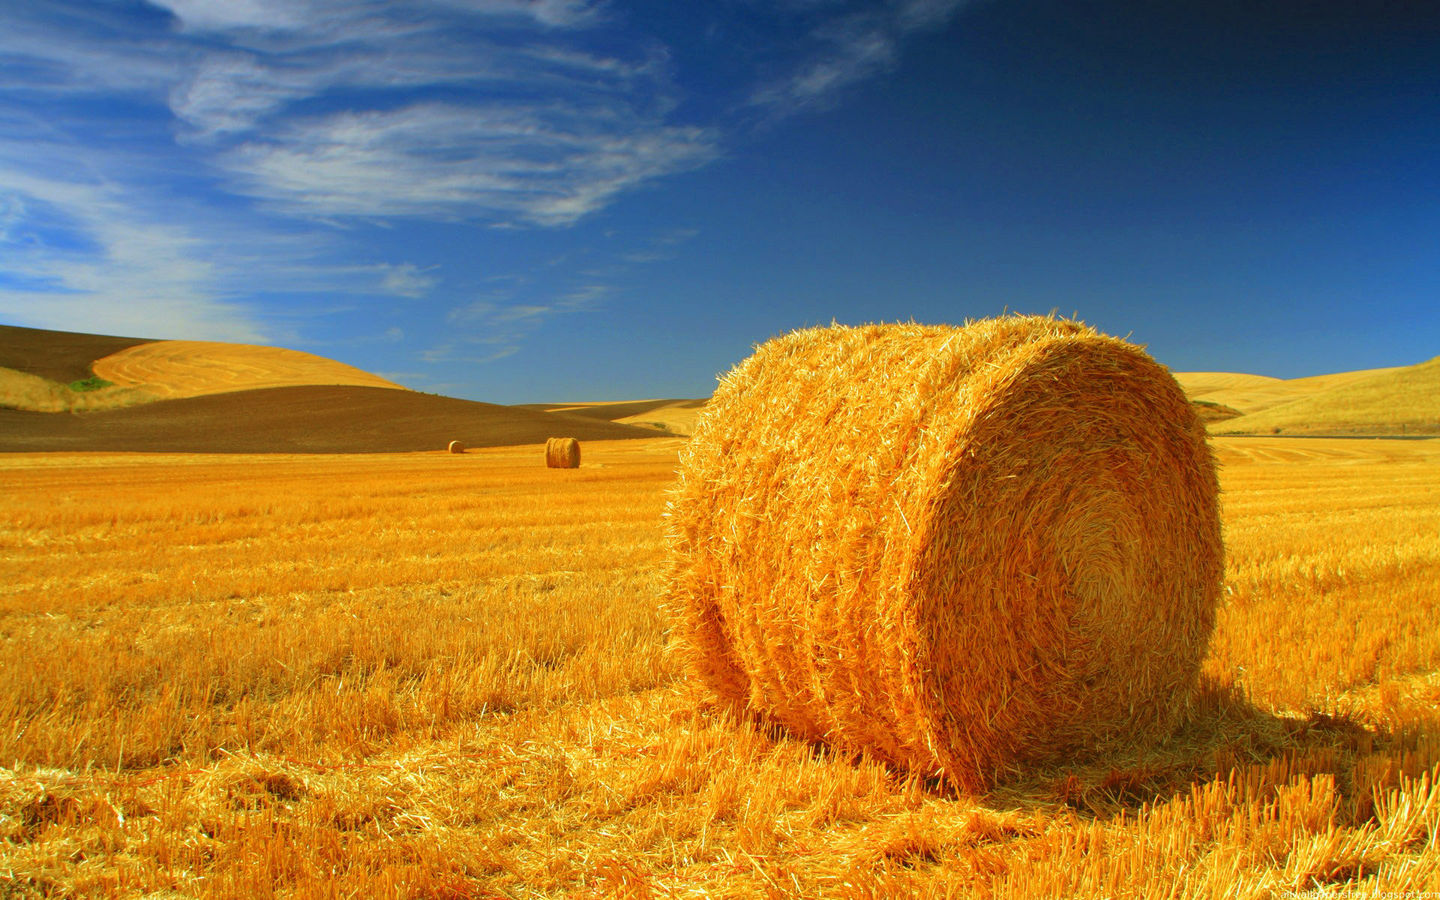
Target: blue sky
{"x": 529, "y": 200}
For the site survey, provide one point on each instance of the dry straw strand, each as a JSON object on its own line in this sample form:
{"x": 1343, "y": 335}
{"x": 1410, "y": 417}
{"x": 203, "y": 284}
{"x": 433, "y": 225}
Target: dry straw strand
{"x": 562, "y": 453}
{"x": 457, "y": 447}
{"x": 966, "y": 550}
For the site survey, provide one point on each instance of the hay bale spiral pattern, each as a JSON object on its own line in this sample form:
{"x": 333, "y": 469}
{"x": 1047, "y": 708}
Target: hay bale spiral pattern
{"x": 456, "y": 447}
{"x": 966, "y": 550}
{"x": 562, "y": 453}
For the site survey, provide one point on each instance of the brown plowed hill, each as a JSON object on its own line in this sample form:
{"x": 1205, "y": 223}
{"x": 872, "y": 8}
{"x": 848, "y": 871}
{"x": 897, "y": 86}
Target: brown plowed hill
{"x": 307, "y": 419}
{"x": 60, "y": 356}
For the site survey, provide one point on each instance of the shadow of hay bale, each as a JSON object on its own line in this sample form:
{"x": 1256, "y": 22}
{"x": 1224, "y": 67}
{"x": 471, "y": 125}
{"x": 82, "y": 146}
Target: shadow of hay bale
{"x": 1227, "y": 741}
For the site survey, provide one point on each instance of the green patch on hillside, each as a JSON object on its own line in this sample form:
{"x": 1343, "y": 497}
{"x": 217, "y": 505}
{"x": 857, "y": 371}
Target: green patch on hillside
{"x": 35, "y": 393}
{"x": 93, "y": 383}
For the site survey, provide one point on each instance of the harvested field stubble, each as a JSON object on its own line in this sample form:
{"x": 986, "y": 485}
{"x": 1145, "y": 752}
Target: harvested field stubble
{"x": 237, "y": 677}
{"x": 964, "y": 550}
{"x": 562, "y": 453}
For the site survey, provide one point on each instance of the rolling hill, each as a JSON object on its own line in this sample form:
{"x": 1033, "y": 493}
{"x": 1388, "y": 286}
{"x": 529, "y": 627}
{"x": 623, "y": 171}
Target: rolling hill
{"x": 39, "y": 367}
{"x": 1386, "y": 401}
{"x": 1394, "y": 401}
{"x": 1254, "y": 393}
{"x": 196, "y": 396}
{"x": 301, "y": 419}
{"x": 126, "y": 393}
{"x": 60, "y": 356}
{"x": 174, "y": 369}
{"x": 54, "y": 371}
{"x": 669, "y": 416}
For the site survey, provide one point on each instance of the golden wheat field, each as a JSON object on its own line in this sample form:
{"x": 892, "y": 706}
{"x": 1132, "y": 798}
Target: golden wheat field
{"x": 439, "y": 675}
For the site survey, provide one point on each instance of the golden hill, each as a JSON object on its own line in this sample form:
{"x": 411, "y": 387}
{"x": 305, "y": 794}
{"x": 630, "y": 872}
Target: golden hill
{"x": 175, "y": 369}
{"x": 1253, "y": 393}
{"x": 667, "y": 416}
{"x": 1395, "y": 401}
{"x": 57, "y": 371}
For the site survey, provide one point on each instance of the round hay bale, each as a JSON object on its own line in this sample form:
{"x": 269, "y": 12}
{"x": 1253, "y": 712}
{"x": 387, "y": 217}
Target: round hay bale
{"x": 562, "y": 453}
{"x": 967, "y": 550}
{"x": 457, "y": 447}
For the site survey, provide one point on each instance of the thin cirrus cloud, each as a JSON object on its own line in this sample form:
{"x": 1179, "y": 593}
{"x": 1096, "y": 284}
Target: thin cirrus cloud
{"x": 537, "y": 132}
{"x": 80, "y": 249}
{"x": 150, "y": 279}
{"x": 318, "y": 15}
{"x": 76, "y": 252}
{"x": 543, "y": 165}
{"x": 271, "y": 119}
{"x": 80, "y": 196}
{"x": 848, "y": 48}
{"x": 496, "y": 326}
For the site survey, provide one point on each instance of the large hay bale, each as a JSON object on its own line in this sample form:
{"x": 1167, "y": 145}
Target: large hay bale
{"x": 965, "y": 550}
{"x": 562, "y": 453}
{"x": 457, "y": 447}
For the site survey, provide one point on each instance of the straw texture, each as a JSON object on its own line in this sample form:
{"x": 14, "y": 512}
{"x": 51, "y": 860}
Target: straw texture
{"x": 966, "y": 550}
{"x": 457, "y": 447}
{"x": 562, "y": 453}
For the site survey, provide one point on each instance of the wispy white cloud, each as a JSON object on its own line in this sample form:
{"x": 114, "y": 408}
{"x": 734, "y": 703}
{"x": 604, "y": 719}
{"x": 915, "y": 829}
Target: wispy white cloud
{"x": 231, "y": 92}
{"x": 476, "y": 349}
{"x": 406, "y": 279}
{"x": 268, "y": 15}
{"x": 497, "y": 325}
{"x": 534, "y": 130}
{"x": 269, "y": 121}
{"x": 483, "y": 110}
{"x": 585, "y": 296}
{"x": 321, "y": 16}
{"x": 849, "y": 48}
{"x": 548, "y": 164}
{"x": 57, "y": 48}
{"x": 480, "y": 110}
{"x": 501, "y": 318}
{"x": 487, "y": 330}
{"x": 120, "y": 312}
{"x": 916, "y": 14}
{"x": 235, "y": 88}
{"x": 83, "y": 248}
{"x": 114, "y": 272}
{"x": 12, "y": 213}
{"x": 556, "y": 13}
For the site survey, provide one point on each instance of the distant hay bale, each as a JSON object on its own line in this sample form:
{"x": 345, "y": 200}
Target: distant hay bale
{"x": 562, "y": 453}
{"x": 457, "y": 447}
{"x": 967, "y": 550}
